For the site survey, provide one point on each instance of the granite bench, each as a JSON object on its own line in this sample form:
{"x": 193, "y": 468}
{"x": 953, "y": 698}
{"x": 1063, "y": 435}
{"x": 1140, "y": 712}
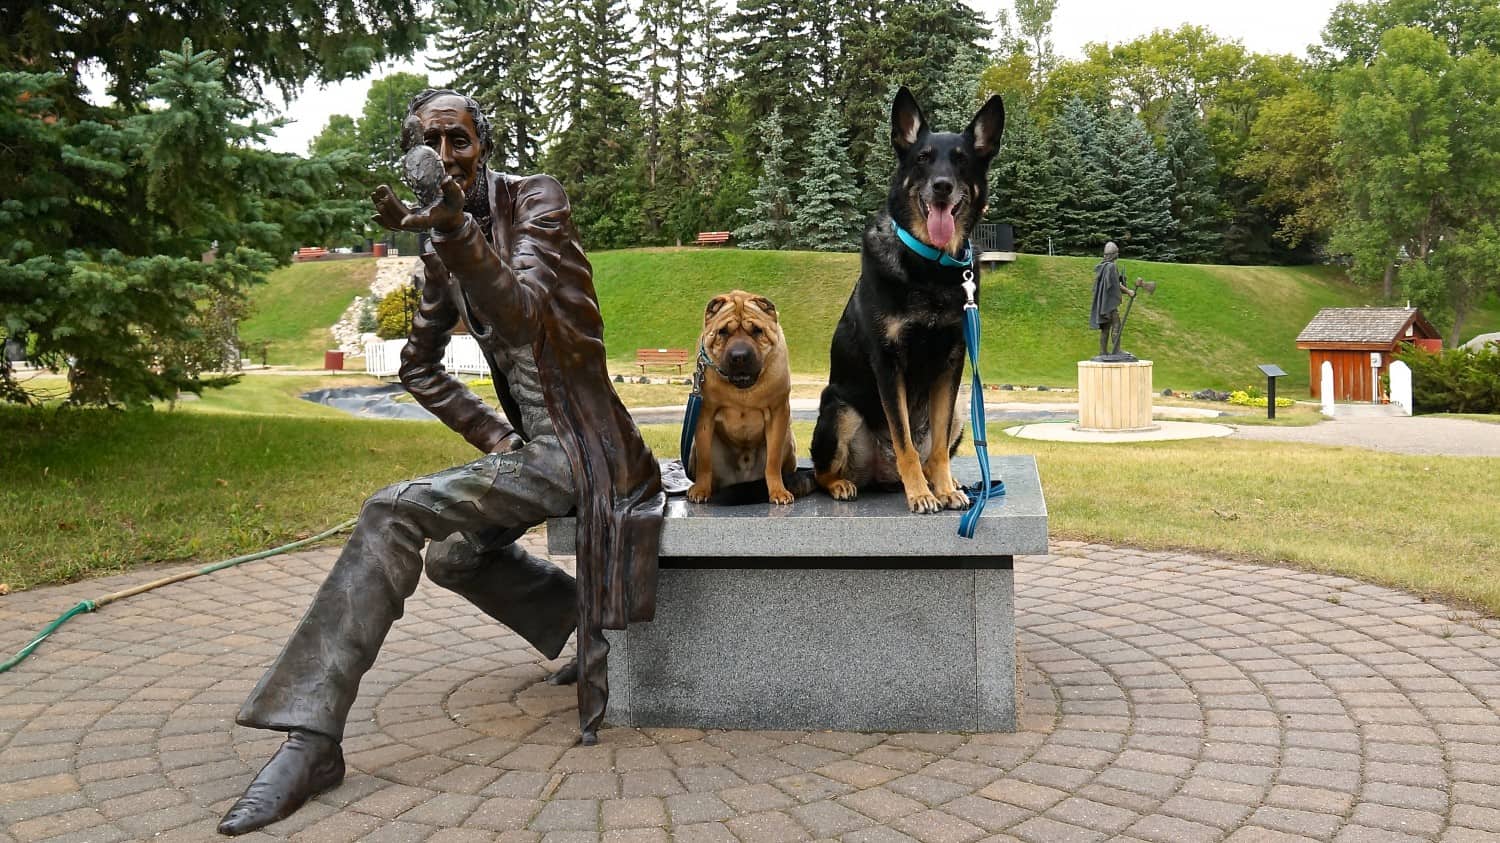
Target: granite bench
{"x": 827, "y": 614}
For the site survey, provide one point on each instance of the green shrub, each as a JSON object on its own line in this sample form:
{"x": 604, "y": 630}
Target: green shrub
{"x": 1250, "y": 397}
{"x": 1455, "y": 380}
{"x": 393, "y": 314}
{"x": 367, "y": 323}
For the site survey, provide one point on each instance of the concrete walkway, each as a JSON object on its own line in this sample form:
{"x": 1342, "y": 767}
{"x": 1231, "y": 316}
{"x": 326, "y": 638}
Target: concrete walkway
{"x": 1396, "y": 434}
{"x": 1167, "y": 698}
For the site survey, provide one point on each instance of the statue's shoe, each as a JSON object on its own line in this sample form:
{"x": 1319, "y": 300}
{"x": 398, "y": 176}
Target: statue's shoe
{"x": 305, "y": 766}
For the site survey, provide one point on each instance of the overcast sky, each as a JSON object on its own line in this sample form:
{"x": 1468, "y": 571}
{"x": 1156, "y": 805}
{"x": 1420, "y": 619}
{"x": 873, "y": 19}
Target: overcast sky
{"x": 1266, "y": 26}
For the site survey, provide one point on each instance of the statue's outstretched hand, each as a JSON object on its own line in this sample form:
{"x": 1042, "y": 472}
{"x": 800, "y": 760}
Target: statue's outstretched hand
{"x": 446, "y": 214}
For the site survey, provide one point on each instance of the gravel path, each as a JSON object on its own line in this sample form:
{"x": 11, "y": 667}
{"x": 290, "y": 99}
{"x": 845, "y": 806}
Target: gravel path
{"x": 1397, "y": 435}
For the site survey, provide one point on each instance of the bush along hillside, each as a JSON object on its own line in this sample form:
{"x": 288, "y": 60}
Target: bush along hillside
{"x": 1457, "y": 380}
{"x": 1206, "y": 326}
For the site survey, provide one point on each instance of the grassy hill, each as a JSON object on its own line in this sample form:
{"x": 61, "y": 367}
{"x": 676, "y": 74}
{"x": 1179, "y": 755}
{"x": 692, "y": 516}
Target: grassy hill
{"x": 295, "y": 308}
{"x": 1207, "y": 326}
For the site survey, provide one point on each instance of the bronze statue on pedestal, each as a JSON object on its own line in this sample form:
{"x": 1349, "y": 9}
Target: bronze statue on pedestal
{"x": 506, "y": 258}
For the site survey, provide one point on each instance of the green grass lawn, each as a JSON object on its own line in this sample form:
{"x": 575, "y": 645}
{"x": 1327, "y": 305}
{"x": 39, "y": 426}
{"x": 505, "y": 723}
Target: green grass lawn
{"x": 1207, "y": 326}
{"x": 252, "y": 466}
{"x": 295, "y": 308}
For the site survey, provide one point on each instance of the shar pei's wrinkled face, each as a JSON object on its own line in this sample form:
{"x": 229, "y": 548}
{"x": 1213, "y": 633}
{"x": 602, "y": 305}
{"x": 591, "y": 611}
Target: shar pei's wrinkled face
{"x": 740, "y": 331}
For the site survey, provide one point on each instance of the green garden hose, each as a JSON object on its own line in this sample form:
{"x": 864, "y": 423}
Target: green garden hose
{"x": 95, "y": 605}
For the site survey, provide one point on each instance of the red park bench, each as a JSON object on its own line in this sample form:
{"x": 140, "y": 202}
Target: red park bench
{"x": 712, "y": 238}
{"x": 678, "y": 357}
{"x": 310, "y": 253}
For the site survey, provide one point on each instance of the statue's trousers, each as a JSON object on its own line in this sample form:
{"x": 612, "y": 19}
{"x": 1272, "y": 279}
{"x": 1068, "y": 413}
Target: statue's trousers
{"x": 484, "y": 506}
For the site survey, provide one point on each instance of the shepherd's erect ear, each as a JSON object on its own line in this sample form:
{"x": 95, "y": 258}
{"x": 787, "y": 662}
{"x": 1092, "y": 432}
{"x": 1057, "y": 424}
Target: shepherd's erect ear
{"x": 907, "y": 122}
{"x": 986, "y": 127}
{"x": 715, "y": 305}
{"x": 767, "y": 306}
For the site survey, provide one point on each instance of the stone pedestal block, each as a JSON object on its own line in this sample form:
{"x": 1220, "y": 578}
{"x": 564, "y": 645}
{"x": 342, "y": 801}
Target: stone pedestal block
{"x": 853, "y": 615}
{"x": 1114, "y": 397}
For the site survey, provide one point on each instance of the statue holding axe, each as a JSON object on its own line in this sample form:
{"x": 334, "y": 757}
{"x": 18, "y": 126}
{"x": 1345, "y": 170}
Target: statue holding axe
{"x": 1104, "y": 314}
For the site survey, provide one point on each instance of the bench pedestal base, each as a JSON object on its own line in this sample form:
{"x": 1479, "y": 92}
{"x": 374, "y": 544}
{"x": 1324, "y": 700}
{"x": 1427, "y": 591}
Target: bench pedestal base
{"x": 883, "y": 646}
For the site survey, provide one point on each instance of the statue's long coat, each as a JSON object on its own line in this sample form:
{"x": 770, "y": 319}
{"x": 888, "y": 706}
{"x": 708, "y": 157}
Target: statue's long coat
{"x": 1106, "y": 293}
{"x": 538, "y": 282}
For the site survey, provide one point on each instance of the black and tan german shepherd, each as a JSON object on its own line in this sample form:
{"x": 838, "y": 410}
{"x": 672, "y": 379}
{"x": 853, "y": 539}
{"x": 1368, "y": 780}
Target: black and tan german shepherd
{"x": 887, "y": 415}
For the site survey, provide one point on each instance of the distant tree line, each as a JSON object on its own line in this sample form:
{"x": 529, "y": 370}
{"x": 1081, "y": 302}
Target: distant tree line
{"x": 664, "y": 118}
{"x": 134, "y": 227}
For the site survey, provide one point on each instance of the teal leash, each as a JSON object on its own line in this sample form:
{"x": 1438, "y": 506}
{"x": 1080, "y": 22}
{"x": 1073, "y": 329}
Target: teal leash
{"x": 694, "y": 407}
{"x": 980, "y": 492}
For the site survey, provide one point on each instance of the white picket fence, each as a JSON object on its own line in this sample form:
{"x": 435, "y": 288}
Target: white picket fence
{"x": 383, "y": 357}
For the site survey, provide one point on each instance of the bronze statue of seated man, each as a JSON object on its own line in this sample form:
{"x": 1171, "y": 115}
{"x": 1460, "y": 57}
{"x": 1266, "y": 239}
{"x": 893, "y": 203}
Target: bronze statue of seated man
{"x": 506, "y": 258}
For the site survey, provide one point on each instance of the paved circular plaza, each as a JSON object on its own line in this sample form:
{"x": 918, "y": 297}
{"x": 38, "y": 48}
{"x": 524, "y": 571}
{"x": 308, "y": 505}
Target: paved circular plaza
{"x": 1167, "y": 698}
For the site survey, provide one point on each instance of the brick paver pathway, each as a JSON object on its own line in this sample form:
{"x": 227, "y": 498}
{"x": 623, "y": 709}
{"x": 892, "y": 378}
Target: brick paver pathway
{"x": 1168, "y": 698}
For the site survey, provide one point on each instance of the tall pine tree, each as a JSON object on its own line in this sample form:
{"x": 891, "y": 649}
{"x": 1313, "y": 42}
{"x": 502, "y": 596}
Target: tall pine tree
{"x": 497, "y": 57}
{"x": 1084, "y": 211}
{"x": 1139, "y": 186}
{"x": 826, "y": 216}
{"x": 595, "y": 154}
{"x": 1195, "y": 183}
{"x": 1024, "y": 189}
{"x": 103, "y": 269}
{"x": 767, "y": 223}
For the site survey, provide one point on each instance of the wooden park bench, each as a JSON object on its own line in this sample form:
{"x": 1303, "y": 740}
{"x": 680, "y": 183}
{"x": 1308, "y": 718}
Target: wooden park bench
{"x": 678, "y": 357}
{"x": 712, "y": 238}
{"x": 850, "y": 615}
{"x": 310, "y": 253}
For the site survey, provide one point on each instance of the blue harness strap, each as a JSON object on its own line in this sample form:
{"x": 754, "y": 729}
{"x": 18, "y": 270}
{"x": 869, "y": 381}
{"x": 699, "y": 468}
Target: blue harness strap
{"x": 694, "y": 406}
{"x": 980, "y": 492}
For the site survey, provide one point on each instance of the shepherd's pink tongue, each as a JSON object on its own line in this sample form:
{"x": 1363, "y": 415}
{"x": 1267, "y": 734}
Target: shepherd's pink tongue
{"x": 940, "y": 226}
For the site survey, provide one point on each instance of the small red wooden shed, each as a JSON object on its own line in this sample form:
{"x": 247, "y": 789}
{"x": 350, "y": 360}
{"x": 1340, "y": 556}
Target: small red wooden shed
{"x": 1347, "y": 337}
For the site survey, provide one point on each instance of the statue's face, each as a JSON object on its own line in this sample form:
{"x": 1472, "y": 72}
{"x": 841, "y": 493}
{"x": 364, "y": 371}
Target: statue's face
{"x": 448, "y": 128}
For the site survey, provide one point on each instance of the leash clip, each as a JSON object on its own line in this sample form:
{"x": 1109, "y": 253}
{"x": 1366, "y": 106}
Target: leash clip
{"x": 970, "y": 288}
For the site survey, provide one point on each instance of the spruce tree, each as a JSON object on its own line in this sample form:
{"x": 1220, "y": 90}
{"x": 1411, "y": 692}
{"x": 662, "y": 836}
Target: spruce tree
{"x": 1195, "y": 182}
{"x": 767, "y": 223}
{"x": 497, "y": 57}
{"x": 826, "y": 217}
{"x": 880, "y": 159}
{"x": 955, "y": 98}
{"x": 1139, "y": 186}
{"x": 771, "y": 52}
{"x": 1085, "y": 210}
{"x": 594, "y": 154}
{"x": 104, "y": 270}
{"x": 1024, "y": 189}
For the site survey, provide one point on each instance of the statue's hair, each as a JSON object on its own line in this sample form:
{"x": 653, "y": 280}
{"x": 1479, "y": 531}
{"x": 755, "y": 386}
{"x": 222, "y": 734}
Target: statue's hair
{"x": 481, "y": 122}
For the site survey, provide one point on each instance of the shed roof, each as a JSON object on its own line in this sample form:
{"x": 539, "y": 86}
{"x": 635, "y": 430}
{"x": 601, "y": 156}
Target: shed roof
{"x": 1364, "y": 325}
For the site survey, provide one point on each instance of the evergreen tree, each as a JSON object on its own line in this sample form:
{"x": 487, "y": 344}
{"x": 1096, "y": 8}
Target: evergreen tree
{"x": 104, "y": 270}
{"x": 925, "y": 43}
{"x": 955, "y": 98}
{"x": 282, "y": 45}
{"x": 497, "y": 57}
{"x": 864, "y": 91}
{"x": 1025, "y": 191}
{"x": 880, "y": 159}
{"x": 767, "y": 223}
{"x": 1195, "y": 199}
{"x": 1139, "y": 186}
{"x": 595, "y": 154}
{"x": 1085, "y": 212}
{"x": 826, "y": 217}
{"x": 770, "y": 53}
